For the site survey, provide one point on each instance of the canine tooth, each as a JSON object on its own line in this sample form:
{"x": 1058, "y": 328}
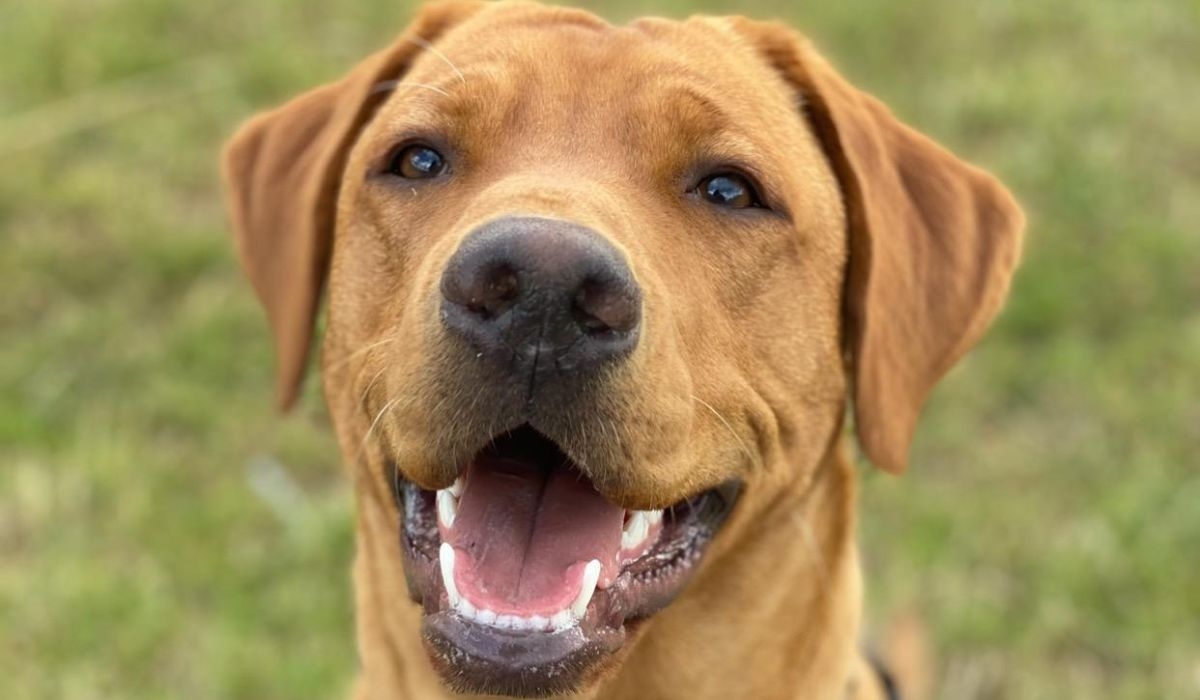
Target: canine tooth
{"x": 485, "y": 616}
{"x": 456, "y": 488}
{"x": 635, "y": 530}
{"x": 447, "y": 508}
{"x": 446, "y": 558}
{"x": 562, "y": 620}
{"x": 591, "y": 574}
{"x": 630, "y": 530}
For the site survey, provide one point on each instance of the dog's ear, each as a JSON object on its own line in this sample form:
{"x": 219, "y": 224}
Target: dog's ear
{"x": 282, "y": 169}
{"x": 933, "y": 244}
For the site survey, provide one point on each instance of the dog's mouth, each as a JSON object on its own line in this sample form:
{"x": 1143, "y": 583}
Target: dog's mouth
{"x": 529, "y": 576}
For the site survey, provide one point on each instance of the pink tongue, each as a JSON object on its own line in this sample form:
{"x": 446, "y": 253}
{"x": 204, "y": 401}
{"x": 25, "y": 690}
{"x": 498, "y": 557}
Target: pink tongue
{"x": 528, "y": 529}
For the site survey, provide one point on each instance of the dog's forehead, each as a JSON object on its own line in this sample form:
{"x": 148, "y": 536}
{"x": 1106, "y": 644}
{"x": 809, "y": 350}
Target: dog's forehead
{"x": 529, "y": 55}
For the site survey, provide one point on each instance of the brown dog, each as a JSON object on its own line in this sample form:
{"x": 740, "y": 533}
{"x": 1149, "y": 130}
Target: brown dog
{"x": 598, "y": 298}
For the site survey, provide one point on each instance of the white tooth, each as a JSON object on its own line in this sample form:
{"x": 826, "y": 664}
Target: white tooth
{"x": 656, "y": 517}
{"x": 591, "y": 574}
{"x": 466, "y": 609}
{"x": 456, "y": 488}
{"x": 485, "y": 616}
{"x": 446, "y": 557}
{"x": 447, "y": 508}
{"x": 508, "y": 622}
{"x": 629, "y": 536}
{"x": 635, "y": 530}
{"x": 537, "y": 622}
{"x": 562, "y": 620}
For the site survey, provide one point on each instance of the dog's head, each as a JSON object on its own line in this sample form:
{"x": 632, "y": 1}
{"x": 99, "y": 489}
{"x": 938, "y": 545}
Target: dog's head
{"x": 590, "y": 287}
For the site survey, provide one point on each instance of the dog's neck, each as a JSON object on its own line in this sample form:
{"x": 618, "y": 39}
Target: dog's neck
{"x": 792, "y": 589}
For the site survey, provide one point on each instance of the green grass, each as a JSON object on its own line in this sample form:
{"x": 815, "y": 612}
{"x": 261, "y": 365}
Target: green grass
{"x": 1049, "y": 530}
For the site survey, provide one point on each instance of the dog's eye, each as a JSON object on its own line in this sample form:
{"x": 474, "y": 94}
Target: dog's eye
{"x": 417, "y": 162}
{"x": 729, "y": 190}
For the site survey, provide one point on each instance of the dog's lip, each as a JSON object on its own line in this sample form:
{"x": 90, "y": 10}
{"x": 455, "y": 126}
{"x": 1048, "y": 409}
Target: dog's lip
{"x": 478, "y": 659}
{"x": 481, "y": 657}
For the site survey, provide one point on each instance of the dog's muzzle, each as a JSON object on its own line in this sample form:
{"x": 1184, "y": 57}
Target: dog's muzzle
{"x": 528, "y": 574}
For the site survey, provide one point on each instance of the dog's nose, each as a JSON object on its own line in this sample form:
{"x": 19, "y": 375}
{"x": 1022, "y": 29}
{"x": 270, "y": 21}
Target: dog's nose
{"x": 542, "y": 295}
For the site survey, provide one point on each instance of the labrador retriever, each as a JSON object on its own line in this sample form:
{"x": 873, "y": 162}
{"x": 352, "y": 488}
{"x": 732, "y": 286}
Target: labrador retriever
{"x": 600, "y": 299}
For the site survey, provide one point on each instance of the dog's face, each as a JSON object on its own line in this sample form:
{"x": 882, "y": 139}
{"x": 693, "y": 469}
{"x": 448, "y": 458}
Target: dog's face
{"x": 590, "y": 289}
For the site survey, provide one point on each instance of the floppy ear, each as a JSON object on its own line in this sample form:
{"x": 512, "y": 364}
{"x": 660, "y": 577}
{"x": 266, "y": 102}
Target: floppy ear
{"x": 933, "y": 244}
{"x": 282, "y": 169}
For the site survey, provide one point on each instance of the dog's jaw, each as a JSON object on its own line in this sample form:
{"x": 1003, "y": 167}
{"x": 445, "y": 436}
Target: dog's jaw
{"x": 687, "y": 649}
{"x": 529, "y": 578}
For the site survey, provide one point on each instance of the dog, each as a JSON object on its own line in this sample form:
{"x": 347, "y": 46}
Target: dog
{"x": 599, "y": 302}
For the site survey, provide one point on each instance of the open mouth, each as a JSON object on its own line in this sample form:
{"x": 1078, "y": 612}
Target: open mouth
{"x": 529, "y": 576}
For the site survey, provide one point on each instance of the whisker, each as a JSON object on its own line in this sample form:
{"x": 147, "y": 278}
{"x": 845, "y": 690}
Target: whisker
{"x": 362, "y": 399}
{"x": 745, "y": 449}
{"x": 424, "y": 44}
{"x": 388, "y": 85}
{"x": 343, "y": 361}
{"x": 370, "y": 431}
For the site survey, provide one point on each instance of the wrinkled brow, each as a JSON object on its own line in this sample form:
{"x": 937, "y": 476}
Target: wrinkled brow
{"x": 693, "y": 106}
{"x": 467, "y": 93}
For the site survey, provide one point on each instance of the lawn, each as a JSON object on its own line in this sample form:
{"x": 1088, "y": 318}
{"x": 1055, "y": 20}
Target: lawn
{"x": 164, "y": 535}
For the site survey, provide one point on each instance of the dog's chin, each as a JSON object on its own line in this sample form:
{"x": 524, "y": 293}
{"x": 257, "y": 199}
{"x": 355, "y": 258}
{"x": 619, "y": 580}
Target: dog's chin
{"x": 529, "y": 578}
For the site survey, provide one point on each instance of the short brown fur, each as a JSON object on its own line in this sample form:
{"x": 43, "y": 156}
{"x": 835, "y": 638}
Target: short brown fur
{"x": 882, "y": 261}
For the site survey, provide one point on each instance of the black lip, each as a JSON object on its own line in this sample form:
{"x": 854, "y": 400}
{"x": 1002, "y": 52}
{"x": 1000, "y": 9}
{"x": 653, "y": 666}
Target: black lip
{"x": 479, "y": 659}
{"x": 474, "y": 658}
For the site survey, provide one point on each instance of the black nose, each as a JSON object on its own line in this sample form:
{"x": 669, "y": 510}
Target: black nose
{"x": 542, "y": 295}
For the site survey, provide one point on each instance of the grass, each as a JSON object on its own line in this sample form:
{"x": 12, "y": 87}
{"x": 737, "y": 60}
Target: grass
{"x": 163, "y": 535}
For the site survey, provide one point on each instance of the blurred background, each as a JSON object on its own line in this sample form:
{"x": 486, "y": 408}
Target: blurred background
{"x": 163, "y": 534}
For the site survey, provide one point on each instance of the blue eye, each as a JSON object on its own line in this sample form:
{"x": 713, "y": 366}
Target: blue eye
{"x": 729, "y": 190}
{"x": 417, "y": 162}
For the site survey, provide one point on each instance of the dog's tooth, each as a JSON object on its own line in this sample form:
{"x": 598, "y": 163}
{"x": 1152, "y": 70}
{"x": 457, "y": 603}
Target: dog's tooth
{"x": 446, "y": 558}
{"x": 635, "y": 530}
{"x": 561, "y": 620}
{"x": 466, "y": 609}
{"x": 485, "y": 616}
{"x": 508, "y": 622}
{"x": 591, "y": 574}
{"x": 537, "y": 623}
{"x": 447, "y": 508}
{"x": 456, "y": 488}
{"x": 656, "y": 517}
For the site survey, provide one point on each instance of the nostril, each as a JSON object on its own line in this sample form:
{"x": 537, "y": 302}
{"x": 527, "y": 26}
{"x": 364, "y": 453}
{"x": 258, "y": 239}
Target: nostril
{"x": 602, "y": 308}
{"x": 483, "y": 289}
{"x": 494, "y": 291}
